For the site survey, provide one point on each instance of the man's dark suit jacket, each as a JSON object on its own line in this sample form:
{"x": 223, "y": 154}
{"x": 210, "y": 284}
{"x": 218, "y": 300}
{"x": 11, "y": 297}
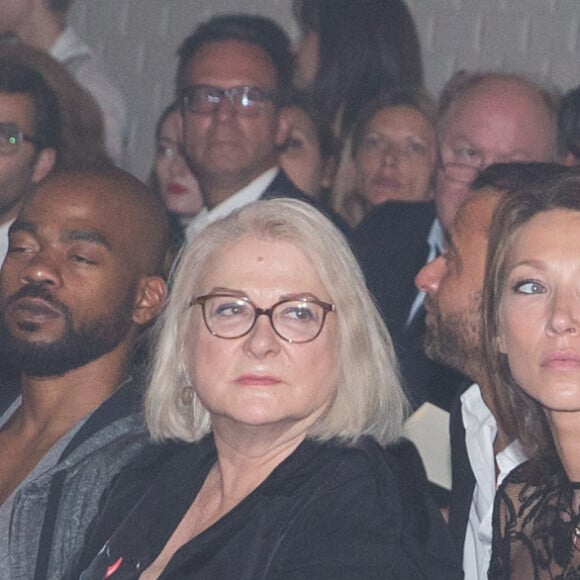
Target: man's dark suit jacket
{"x": 283, "y": 187}
{"x": 392, "y": 246}
{"x": 462, "y": 477}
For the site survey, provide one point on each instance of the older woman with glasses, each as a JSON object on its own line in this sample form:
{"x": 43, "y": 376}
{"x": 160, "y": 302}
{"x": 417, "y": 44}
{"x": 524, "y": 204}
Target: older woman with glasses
{"x": 274, "y": 387}
{"x": 532, "y": 341}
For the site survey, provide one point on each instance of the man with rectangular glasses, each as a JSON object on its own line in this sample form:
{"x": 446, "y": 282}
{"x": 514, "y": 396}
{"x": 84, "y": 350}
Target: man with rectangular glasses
{"x": 233, "y": 74}
{"x": 29, "y": 138}
{"x": 43, "y": 24}
{"x": 483, "y": 119}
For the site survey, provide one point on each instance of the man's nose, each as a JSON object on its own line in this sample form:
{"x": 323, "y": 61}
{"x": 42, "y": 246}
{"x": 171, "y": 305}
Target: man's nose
{"x": 430, "y": 275}
{"x": 42, "y": 268}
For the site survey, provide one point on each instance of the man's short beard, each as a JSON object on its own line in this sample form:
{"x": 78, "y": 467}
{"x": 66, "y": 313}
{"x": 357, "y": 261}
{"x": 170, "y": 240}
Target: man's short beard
{"x": 454, "y": 340}
{"x": 73, "y": 349}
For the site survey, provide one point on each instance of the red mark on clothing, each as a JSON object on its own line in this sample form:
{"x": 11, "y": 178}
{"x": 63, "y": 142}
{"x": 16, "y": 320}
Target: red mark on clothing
{"x": 113, "y": 568}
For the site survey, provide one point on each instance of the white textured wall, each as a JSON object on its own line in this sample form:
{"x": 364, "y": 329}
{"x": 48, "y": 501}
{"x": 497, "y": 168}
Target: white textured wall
{"x": 138, "y": 39}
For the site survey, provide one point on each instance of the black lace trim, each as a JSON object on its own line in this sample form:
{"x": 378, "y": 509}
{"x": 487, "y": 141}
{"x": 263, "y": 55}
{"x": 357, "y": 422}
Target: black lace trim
{"x": 537, "y": 524}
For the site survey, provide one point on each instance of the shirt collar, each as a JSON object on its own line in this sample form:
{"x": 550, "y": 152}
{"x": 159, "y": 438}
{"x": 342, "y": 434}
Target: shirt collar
{"x": 68, "y": 46}
{"x": 436, "y": 237}
{"x": 244, "y": 196}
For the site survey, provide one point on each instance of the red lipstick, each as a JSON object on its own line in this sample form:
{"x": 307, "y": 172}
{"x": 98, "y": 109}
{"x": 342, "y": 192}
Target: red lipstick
{"x": 176, "y": 189}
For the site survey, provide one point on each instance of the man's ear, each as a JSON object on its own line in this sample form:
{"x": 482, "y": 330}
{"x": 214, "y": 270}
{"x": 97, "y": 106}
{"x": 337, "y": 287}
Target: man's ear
{"x": 44, "y": 164}
{"x": 150, "y": 298}
{"x": 283, "y": 127}
{"x": 570, "y": 160}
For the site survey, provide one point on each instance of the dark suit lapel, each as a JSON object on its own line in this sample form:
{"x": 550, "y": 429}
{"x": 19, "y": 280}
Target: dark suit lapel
{"x": 281, "y": 186}
{"x": 462, "y": 478}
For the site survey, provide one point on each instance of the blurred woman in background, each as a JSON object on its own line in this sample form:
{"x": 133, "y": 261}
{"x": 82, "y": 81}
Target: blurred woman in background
{"x": 394, "y": 152}
{"x": 309, "y": 154}
{"x": 348, "y": 54}
{"x": 350, "y": 51}
{"x": 175, "y": 183}
{"x": 172, "y": 179}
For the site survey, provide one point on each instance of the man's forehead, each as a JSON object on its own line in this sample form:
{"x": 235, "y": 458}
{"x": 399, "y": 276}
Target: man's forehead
{"x": 16, "y": 107}
{"x": 491, "y": 91}
{"x": 508, "y": 98}
{"x": 68, "y": 232}
{"x": 82, "y": 199}
{"x": 230, "y": 63}
{"x": 84, "y": 187}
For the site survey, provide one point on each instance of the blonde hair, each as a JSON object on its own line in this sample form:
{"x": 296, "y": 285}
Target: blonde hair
{"x": 369, "y": 400}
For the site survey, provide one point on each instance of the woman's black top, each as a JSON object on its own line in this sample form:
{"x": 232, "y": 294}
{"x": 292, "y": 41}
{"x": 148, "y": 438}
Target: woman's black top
{"x": 536, "y": 524}
{"x": 328, "y": 512}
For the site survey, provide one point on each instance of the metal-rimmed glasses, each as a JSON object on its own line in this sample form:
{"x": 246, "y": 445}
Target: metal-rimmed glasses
{"x": 11, "y": 137}
{"x": 245, "y": 100}
{"x": 295, "y": 320}
{"x": 461, "y": 172}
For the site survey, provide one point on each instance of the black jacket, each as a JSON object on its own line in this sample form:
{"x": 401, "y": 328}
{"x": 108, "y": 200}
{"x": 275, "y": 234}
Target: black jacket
{"x": 391, "y": 243}
{"x": 328, "y": 512}
{"x": 462, "y": 477}
{"x": 283, "y": 187}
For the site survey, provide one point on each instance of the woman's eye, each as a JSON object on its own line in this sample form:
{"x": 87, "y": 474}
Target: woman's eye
{"x": 416, "y": 148}
{"x": 293, "y": 143}
{"x": 529, "y": 287}
{"x": 166, "y": 151}
{"x": 298, "y": 313}
{"x": 372, "y": 143}
{"x": 231, "y": 309}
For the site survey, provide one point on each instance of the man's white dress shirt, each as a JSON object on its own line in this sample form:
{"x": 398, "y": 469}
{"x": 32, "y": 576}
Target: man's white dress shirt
{"x": 480, "y": 432}
{"x": 252, "y": 192}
